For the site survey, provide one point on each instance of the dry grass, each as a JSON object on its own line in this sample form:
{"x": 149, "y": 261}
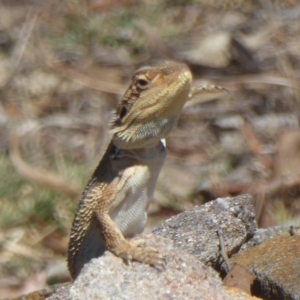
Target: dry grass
{"x": 63, "y": 67}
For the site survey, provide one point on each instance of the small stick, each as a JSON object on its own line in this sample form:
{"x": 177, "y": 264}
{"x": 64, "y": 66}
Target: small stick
{"x": 222, "y": 249}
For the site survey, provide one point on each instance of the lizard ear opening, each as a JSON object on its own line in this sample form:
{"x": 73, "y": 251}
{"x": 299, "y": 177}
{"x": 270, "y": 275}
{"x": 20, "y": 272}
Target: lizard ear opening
{"x": 123, "y": 112}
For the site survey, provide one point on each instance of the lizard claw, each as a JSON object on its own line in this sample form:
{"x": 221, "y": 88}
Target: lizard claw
{"x": 139, "y": 252}
{"x": 149, "y": 255}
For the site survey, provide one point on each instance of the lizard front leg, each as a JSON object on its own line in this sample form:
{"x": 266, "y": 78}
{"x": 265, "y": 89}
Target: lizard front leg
{"x": 117, "y": 244}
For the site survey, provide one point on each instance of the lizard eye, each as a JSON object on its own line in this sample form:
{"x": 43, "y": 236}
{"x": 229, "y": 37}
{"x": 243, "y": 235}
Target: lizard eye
{"x": 142, "y": 83}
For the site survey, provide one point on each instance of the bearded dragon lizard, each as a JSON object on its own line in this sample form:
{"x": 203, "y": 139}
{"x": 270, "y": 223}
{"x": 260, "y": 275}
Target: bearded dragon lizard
{"x": 114, "y": 203}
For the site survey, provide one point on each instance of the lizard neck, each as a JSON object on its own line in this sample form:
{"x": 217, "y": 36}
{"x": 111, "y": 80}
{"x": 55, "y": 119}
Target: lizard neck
{"x": 147, "y": 135}
{"x": 145, "y": 154}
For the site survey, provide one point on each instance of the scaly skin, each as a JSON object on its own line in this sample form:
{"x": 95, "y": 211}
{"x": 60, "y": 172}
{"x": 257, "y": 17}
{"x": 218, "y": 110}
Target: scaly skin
{"x": 114, "y": 203}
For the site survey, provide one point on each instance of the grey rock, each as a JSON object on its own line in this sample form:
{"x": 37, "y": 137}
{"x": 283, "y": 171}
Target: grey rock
{"x": 196, "y": 230}
{"x": 61, "y": 293}
{"x": 185, "y": 277}
{"x": 108, "y": 277}
{"x": 263, "y": 234}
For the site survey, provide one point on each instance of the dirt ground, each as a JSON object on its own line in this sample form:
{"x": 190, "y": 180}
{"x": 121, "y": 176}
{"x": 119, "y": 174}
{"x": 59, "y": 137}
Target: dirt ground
{"x": 63, "y": 68}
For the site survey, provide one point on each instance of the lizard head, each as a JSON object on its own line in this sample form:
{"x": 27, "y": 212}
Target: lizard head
{"x": 150, "y": 107}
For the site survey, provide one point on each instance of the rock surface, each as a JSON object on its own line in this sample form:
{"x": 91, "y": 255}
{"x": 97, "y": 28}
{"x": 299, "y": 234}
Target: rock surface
{"x": 276, "y": 265}
{"x": 185, "y": 277}
{"x": 196, "y": 230}
{"x": 271, "y": 254}
{"x": 263, "y": 234}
